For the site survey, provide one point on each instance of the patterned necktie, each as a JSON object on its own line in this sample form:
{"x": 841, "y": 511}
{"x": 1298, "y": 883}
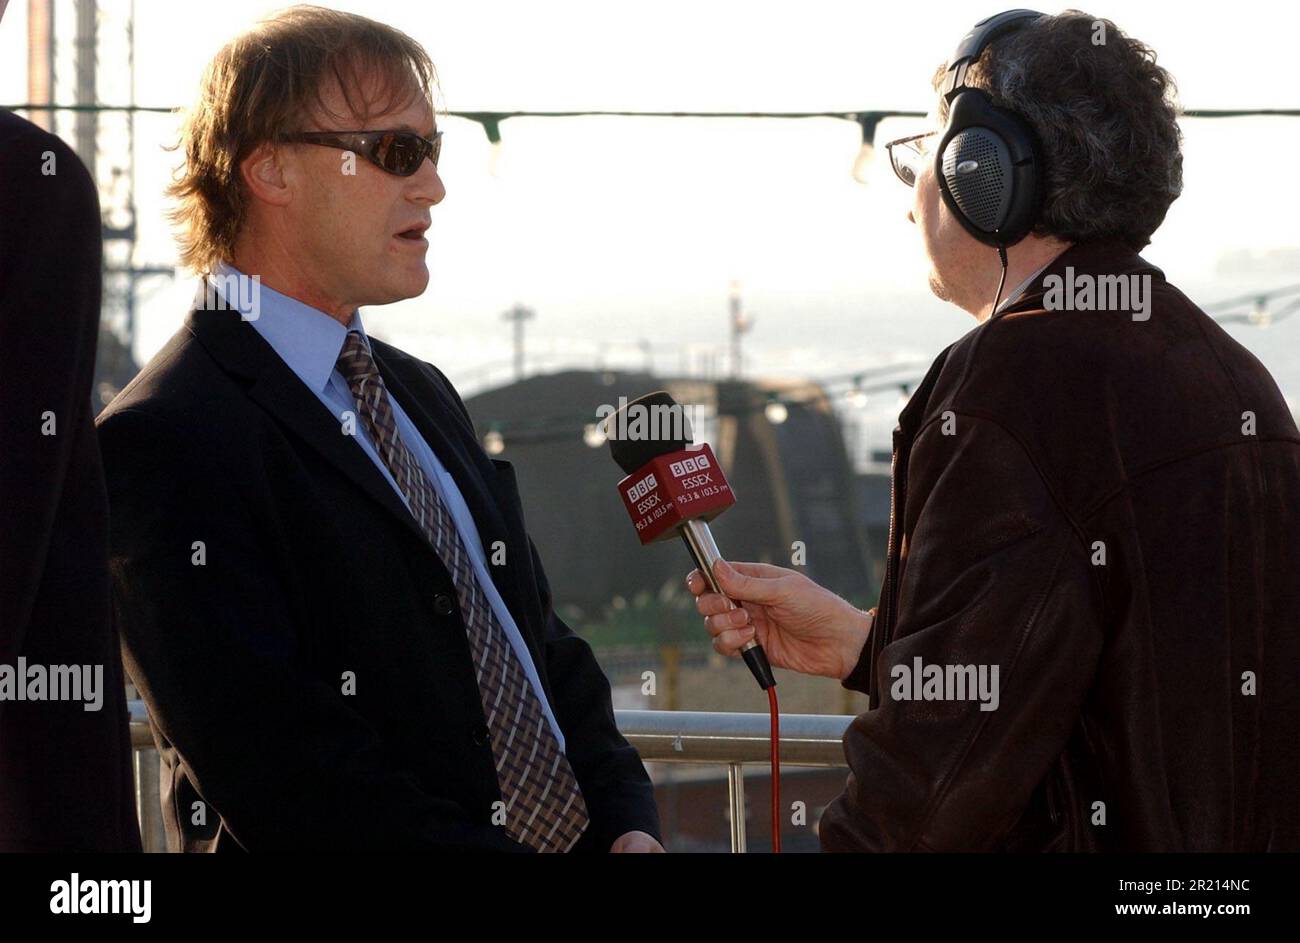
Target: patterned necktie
{"x": 544, "y": 806}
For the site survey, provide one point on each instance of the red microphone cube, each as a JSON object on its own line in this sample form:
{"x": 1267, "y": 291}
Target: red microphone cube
{"x": 675, "y": 488}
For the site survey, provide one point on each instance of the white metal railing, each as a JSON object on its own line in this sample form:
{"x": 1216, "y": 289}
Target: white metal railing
{"x": 698, "y": 737}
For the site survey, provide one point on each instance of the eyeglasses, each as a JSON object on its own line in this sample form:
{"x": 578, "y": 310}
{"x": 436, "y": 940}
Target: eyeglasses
{"x": 397, "y": 152}
{"x": 908, "y": 156}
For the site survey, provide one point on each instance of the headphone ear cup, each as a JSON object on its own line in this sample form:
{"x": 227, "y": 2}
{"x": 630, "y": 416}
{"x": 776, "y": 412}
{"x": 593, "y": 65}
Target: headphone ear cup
{"x": 976, "y": 168}
{"x": 988, "y": 166}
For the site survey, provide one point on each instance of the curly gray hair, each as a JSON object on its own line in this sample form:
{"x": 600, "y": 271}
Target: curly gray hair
{"x": 1107, "y": 118}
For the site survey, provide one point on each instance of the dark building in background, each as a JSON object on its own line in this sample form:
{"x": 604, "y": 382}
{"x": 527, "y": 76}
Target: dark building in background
{"x": 792, "y": 480}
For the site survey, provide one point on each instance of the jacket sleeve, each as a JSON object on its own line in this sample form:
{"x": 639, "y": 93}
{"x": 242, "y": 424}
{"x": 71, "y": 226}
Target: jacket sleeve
{"x": 618, "y": 793}
{"x": 994, "y": 576}
{"x": 49, "y": 325}
{"x": 214, "y": 649}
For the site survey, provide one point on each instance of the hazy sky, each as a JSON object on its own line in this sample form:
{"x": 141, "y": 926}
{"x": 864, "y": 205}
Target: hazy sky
{"x": 619, "y": 229}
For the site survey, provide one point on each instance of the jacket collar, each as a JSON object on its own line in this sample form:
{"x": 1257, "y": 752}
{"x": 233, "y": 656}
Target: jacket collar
{"x": 1094, "y": 257}
{"x": 307, "y": 339}
{"x": 242, "y": 352}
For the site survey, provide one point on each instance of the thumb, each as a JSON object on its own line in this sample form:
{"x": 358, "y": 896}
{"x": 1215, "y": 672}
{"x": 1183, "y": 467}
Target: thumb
{"x": 746, "y": 588}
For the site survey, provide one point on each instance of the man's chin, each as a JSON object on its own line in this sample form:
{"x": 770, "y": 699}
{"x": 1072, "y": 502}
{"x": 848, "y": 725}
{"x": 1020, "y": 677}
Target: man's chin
{"x": 417, "y": 283}
{"x": 938, "y": 287}
{"x": 401, "y": 287}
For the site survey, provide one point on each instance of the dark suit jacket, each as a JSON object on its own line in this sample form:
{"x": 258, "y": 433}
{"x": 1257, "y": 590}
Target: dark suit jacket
{"x": 65, "y": 772}
{"x": 1108, "y": 510}
{"x": 315, "y": 571}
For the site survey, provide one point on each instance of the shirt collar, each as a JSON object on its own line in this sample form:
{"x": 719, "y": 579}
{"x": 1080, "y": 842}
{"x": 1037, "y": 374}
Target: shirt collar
{"x": 1024, "y": 286}
{"x": 307, "y": 339}
{"x": 1020, "y": 289}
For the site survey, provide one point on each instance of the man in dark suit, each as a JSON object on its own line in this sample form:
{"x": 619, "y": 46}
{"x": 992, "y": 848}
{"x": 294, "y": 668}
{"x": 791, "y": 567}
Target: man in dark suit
{"x": 328, "y": 597}
{"x": 65, "y": 762}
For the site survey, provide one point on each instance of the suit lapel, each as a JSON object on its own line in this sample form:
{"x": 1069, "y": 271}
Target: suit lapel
{"x": 243, "y": 352}
{"x": 491, "y": 496}
{"x": 487, "y": 485}
{"x": 433, "y": 421}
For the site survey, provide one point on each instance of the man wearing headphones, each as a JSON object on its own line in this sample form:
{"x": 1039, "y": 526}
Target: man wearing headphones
{"x": 1088, "y": 629}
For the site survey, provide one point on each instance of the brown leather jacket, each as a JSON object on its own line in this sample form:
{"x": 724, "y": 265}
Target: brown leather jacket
{"x": 1108, "y": 511}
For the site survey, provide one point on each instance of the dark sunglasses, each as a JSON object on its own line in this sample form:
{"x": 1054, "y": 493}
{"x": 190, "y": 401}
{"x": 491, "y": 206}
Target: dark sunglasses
{"x": 397, "y": 152}
{"x": 908, "y": 155}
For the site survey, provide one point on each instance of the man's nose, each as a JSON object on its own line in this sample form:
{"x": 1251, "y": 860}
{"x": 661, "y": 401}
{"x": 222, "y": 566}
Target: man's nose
{"x": 428, "y": 184}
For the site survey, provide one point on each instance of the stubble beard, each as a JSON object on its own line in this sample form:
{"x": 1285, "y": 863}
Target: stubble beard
{"x": 937, "y": 286}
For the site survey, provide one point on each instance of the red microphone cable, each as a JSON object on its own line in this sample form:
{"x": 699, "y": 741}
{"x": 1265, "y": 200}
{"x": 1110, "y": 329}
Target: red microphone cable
{"x": 756, "y": 659}
{"x": 776, "y": 770}
{"x": 758, "y": 664}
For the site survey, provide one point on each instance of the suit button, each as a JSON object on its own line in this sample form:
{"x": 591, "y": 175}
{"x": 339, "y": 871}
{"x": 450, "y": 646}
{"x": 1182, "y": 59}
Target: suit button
{"x": 443, "y": 605}
{"x": 481, "y": 735}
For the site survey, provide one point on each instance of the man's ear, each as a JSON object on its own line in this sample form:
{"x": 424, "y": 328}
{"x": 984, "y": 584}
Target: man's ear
{"x": 264, "y": 174}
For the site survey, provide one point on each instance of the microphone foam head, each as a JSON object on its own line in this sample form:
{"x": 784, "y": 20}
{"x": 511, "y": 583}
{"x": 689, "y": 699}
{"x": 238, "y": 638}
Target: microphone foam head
{"x": 649, "y": 426}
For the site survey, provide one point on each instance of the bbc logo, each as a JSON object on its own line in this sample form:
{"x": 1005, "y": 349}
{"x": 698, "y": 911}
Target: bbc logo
{"x": 642, "y": 488}
{"x": 689, "y": 466}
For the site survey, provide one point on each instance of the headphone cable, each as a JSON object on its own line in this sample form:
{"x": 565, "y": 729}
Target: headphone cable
{"x": 1002, "y": 281}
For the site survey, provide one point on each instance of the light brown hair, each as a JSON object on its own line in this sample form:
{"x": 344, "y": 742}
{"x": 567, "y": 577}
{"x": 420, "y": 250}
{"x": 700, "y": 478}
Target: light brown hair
{"x": 267, "y": 83}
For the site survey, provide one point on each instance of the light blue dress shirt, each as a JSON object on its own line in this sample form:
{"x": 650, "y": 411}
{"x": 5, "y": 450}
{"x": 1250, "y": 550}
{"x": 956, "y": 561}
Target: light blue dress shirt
{"x": 309, "y": 341}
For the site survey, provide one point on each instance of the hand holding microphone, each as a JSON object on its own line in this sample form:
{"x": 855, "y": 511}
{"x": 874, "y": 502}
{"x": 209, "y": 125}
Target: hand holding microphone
{"x": 800, "y": 625}
{"x": 674, "y": 486}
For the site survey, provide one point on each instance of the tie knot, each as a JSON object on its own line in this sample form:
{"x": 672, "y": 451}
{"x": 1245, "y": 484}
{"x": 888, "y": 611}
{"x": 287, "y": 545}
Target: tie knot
{"x": 355, "y": 362}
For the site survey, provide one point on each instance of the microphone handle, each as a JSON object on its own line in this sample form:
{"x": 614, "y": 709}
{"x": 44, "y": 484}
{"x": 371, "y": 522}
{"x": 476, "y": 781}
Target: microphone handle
{"x": 699, "y": 541}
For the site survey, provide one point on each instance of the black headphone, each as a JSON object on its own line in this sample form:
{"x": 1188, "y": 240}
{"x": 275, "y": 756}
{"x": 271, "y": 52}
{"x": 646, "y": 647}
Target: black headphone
{"x": 989, "y": 163}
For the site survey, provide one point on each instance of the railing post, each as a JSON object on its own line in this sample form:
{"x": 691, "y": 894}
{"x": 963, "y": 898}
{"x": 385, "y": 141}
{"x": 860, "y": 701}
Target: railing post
{"x": 149, "y": 807}
{"x": 736, "y": 797}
